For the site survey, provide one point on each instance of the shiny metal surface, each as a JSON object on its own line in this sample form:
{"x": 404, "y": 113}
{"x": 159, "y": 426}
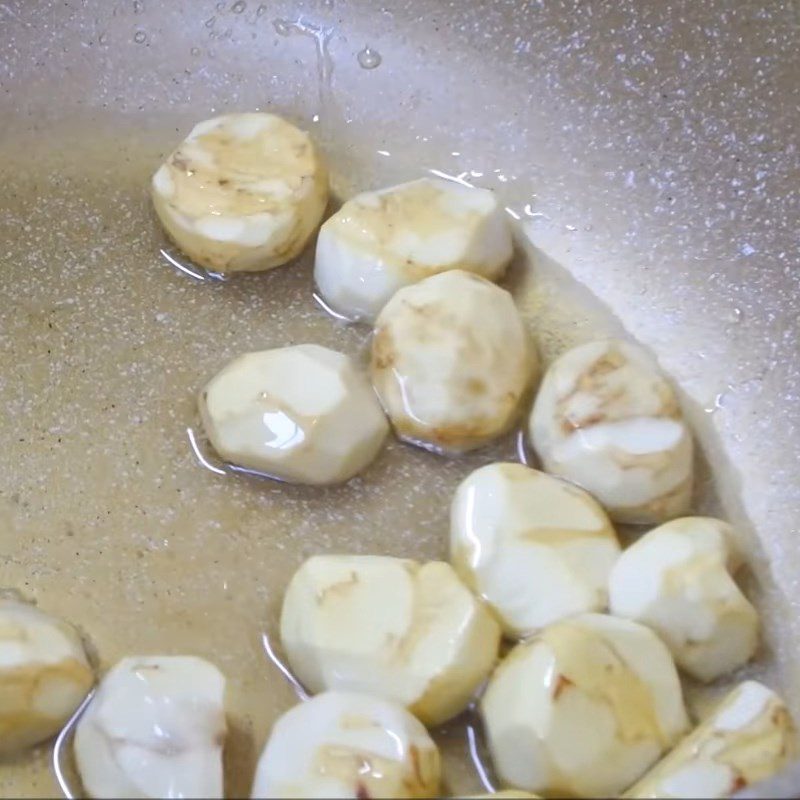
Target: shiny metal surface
{"x": 649, "y": 149}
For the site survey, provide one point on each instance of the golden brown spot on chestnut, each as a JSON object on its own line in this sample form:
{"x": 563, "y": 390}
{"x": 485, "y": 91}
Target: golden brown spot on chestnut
{"x": 738, "y": 784}
{"x": 384, "y": 353}
{"x": 415, "y": 763}
{"x": 339, "y": 588}
{"x": 362, "y": 793}
{"x": 562, "y": 684}
{"x": 476, "y": 386}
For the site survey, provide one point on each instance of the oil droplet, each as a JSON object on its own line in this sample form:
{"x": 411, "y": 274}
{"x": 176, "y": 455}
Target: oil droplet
{"x": 282, "y": 27}
{"x": 523, "y": 451}
{"x": 195, "y": 51}
{"x": 202, "y": 459}
{"x": 736, "y": 315}
{"x": 369, "y": 58}
{"x": 321, "y": 37}
{"x": 325, "y": 307}
{"x": 276, "y": 660}
{"x": 477, "y": 750}
{"x": 64, "y": 771}
{"x": 220, "y": 6}
{"x": 198, "y": 273}
{"x": 238, "y": 7}
{"x": 102, "y": 39}
{"x": 140, "y": 37}
{"x": 261, "y": 10}
{"x": 138, "y": 6}
{"x": 719, "y": 403}
{"x": 460, "y": 178}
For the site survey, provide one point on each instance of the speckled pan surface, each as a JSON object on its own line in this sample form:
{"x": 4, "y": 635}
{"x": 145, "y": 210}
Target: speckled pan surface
{"x": 649, "y": 149}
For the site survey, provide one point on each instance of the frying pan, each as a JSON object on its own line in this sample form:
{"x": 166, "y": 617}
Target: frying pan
{"x": 647, "y": 150}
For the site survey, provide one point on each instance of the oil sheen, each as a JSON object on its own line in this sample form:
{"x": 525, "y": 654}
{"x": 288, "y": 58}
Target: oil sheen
{"x": 107, "y": 517}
